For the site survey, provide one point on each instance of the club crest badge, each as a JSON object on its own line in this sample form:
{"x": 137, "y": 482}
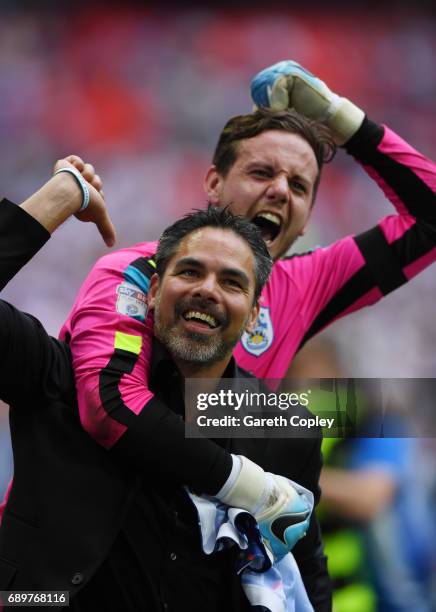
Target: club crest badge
{"x": 260, "y": 339}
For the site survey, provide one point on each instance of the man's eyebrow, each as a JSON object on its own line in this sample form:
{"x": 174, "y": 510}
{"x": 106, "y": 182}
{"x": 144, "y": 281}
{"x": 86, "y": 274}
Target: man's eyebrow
{"x": 271, "y": 168}
{"x": 189, "y": 261}
{"x": 301, "y": 177}
{"x": 236, "y": 273}
{"x": 260, "y": 164}
{"x": 305, "y": 180}
{"x": 195, "y": 263}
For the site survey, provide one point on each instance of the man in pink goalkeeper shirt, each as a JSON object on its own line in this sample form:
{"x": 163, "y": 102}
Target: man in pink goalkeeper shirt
{"x": 266, "y": 167}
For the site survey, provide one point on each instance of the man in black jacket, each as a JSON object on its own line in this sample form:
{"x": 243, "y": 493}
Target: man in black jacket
{"x": 119, "y": 535}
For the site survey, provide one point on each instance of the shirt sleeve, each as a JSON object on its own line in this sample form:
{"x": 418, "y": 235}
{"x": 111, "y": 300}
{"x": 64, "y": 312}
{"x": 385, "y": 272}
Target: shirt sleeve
{"x": 29, "y": 358}
{"x": 357, "y": 271}
{"x": 32, "y": 364}
{"x": 21, "y": 237}
{"x": 401, "y": 245}
{"x": 109, "y": 335}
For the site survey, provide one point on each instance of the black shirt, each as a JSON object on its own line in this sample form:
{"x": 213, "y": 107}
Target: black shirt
{"x": 157, "y": 561}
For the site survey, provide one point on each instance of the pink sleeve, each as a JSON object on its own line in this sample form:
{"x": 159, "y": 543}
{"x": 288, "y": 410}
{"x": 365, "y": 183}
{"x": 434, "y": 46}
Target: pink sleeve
{"x": 359, "y": 270}
{"x": 110, "y": 336}
{"x": 331, "y": 282}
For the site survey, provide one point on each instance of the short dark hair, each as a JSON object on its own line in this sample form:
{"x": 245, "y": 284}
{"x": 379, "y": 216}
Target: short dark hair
{"x": 220, "y": 218}
{"x": 247, "y": 126}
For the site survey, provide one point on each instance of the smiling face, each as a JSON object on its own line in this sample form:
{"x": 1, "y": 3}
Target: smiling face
{"x": 204, "y": 301}
{"x": 271, "y": 183}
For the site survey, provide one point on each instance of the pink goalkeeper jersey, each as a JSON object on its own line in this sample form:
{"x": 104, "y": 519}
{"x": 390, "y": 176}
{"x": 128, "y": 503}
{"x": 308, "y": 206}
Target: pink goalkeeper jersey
{"x": 110, "y": 334}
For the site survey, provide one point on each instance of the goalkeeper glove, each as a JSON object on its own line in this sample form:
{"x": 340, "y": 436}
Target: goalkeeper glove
{"x": 282, "y": 514}
{"x": 286, "y": 521}
{"x": 289, "y": 85}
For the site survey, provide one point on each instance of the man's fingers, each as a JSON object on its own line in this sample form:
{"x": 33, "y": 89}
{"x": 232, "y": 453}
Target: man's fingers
{"x": 76, "y": 161}
{"x": 96, "y": 211}
{"x": 88, "y": 172}
{"x": 100, "y": 217}
{"x": 97, "y": 183}
{"x": 107, "y": 230}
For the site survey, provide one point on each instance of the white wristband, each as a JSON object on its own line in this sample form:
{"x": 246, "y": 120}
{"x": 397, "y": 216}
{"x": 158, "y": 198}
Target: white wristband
{"x": 247, "y": 489}
{"x": 234, "y": 474}
{"x": 82, "y": 183}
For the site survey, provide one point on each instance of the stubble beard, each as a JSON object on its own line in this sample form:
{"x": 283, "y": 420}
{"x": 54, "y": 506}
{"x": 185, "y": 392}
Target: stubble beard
{"x": 195, "y": 348}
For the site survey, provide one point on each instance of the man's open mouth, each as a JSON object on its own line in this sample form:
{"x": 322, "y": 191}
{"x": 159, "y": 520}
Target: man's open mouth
{"x": 202, "y": 318}
{"x": 269, "y": 225}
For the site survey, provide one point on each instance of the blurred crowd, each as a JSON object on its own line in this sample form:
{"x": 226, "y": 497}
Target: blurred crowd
{"x": 377, "y": 510}
{"x": 143, "y": 94}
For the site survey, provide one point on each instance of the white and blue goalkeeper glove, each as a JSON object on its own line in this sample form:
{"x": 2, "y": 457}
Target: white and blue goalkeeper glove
{"x": 282, "y": 514}
{"x": 286, "y": 521}
{"x": 289, "y": 85}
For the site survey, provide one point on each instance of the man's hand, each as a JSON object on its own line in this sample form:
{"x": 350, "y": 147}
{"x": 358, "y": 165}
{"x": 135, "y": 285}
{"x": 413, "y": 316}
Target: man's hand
{"x": 62, "y": 196}
{"x": 96, "y": 211}
{"x": 289, "y": 85}
{"x": 282, "y": 514}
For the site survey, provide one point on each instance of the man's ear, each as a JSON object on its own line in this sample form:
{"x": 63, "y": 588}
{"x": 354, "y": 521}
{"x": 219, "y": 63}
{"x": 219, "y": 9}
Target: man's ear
{"x": 253, "y": 317}
{"x": 152, "y": 291}
{"x": 212, "y": 185}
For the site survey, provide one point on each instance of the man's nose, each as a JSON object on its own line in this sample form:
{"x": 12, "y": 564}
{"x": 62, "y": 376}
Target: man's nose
{"x": 208, "y": 287}
{"x": 278, "y": 190}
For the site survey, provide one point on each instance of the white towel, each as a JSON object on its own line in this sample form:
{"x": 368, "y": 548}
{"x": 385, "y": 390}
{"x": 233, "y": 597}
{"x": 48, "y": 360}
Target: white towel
{"x": 275, "y": 585}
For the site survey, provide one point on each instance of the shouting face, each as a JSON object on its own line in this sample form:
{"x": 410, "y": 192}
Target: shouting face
{"x": 271, "y": 183}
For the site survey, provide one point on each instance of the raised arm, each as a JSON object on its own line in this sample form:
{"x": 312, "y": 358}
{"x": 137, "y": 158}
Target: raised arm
{"x": 74, "y": 189}
{"x": 29, "y": 358}
{"x": 358, "y": 270}
{"x": 26, "y": 228}
{"x": 27, "y": 352}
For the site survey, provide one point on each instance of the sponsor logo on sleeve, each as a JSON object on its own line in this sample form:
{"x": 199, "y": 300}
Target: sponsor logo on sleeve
{"x": 260, "y": 339}
{"x": 131, "y": 301}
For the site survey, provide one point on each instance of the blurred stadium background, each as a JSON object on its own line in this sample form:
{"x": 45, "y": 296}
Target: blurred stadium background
{"x": 143, "y": 91}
